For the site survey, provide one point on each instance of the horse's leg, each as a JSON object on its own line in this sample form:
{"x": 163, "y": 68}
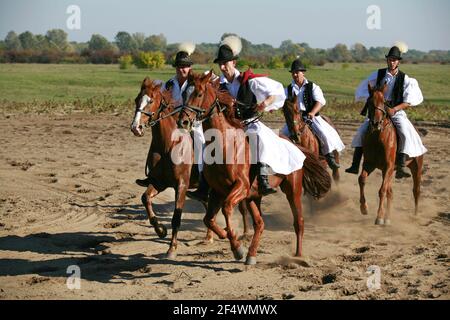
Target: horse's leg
{"x": 293, "y": 191}
{"x": 146, "y": 199}
{"x": 244, "y": 210}
{"x": 214, "y": 203}
{"x": 416, "y": 171}
{"x": 385, "y": 185}
{"x": 237, "y": 194}
{"x": 362, "y": 182}
{"x": 180, "y": 197}
{"x": 258, "y": 227}
{"x": 336, "y": 171}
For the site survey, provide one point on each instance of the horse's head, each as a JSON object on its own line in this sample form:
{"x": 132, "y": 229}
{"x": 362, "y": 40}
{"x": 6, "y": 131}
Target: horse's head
{"x": 200, "y": 98}
{"x": 376, "y": 106}
{"x": 148, "y": 103}
{"x": 293, "y": 118}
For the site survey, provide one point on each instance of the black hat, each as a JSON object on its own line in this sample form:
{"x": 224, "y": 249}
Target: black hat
{"x": 394, "y": 52}
{"x": 225, "y": 54}
{"x": 297, "y": 65}
{"x": 182, "y": 59}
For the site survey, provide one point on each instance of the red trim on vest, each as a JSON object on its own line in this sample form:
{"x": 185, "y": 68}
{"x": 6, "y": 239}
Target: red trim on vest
{"x": 248, "y": 75}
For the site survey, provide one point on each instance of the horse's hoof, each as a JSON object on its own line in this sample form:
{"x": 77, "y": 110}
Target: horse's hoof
{"x": 387, "y": 222}
{"x": 161, "y": 231}
{"x": 238, "y": 253}
{"x": 208, "y": 240}
{"x": 172, "y": 255}
{"x": 379, "y": 221}
{"x": 250, "y": 261}
{"x": 364, "y": 209}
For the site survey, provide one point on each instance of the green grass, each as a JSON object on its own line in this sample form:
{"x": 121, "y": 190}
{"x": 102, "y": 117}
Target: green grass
{"x": 106, "y": 88}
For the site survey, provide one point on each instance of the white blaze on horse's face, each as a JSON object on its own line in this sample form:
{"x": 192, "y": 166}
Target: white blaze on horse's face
{"x": 136, "y": 127}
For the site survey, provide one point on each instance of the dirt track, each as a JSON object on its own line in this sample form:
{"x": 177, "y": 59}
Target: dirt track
{"x": 67, "y": 197}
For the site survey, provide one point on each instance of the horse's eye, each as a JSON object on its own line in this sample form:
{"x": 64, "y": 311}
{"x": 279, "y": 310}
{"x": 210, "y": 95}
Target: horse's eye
{"x": 199, "y": 95}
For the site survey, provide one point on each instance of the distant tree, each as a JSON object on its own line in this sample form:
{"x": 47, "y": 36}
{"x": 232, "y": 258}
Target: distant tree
{"x": 125, "y": 42}
{"x": 340, "y": 53}
{"x": 155, "y": 43}
{"x": 359, "y": 53}
{"x": 275, "y": 63}
{"x": 99, "y": 42}
{"x": 139, "y": 38}
{"x": 27, "y": 40}
{"x": 57, "y": 38}
{"x": 12, "y": 41}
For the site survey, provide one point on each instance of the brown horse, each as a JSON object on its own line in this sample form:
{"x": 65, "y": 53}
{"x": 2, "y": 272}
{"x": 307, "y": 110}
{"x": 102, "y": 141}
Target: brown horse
{"x": 302, "y": 135}
{"x": 380, "y": 148}
{"x": 155, "y": 108}
{"x": 234, "y": 181}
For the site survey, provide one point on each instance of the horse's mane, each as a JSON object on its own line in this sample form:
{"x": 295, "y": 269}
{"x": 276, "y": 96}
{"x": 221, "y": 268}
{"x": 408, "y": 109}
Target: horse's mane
{"x": 227, "y": 100}
{"x": 289, "y": 111}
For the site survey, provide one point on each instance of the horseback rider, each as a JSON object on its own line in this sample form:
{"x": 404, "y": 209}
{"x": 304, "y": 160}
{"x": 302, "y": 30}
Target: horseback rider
{"x": 255, "y": 94}
{"x": 177, "y": 85}
{"x": 310, "y": 103}
{"x": 402, "y": 92}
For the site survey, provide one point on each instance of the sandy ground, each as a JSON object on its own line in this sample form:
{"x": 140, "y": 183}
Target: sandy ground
{"x": 67, "y": 197}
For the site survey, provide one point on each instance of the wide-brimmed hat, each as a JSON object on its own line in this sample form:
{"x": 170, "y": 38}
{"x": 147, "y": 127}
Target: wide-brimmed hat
{"x": 229, "y": 49}
{"x": 397, "y": 50}
{"x": 183, "y": 57}
{"x": 297, "y": 65}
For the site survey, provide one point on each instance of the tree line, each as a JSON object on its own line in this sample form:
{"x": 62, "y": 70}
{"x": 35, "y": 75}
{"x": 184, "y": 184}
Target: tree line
{"x": 153, "y": 51}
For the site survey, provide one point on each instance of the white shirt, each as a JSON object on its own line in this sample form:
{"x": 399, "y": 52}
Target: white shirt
{"x": 261, "y": 87}
{"x": 177, "y": 91}
{"x": 316, "y": 92}
{"x": 411, "y": 91}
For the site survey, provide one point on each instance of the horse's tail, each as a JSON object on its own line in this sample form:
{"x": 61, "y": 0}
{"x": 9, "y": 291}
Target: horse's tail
{"x": 316, "y": 179}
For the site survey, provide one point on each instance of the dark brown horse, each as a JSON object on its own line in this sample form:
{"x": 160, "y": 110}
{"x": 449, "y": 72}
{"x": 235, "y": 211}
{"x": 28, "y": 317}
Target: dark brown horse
{"x": 234, "y": 181}
{"x": 302, "y": 135}
{"x": 380, "y": 148}
{"x": 155, "y": 108}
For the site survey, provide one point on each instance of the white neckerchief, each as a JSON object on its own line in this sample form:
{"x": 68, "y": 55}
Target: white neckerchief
{"x": 234, "y": 86}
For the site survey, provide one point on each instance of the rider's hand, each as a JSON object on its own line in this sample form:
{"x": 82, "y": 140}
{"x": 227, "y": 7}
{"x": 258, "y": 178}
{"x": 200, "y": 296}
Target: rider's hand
{"x": 310, "y": 116}
{"x": 391, "y": 111}
{"x": 260, "y": 107}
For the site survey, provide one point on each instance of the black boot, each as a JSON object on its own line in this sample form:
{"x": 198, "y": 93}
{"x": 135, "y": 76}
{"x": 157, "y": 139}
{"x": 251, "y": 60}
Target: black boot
{"x": 143, "y": 182}
{"x": 401, "y": 166}
{"x": 263, "y": 180}
{"x": 332, "y": 161}
{"x": 357, "y": 156}
{"x": 202, "y": 192}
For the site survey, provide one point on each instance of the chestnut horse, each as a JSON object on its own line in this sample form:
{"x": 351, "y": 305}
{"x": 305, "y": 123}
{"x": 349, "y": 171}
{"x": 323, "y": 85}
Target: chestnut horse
{"x": 302, "y": 134}
{"x": 380, "y": 148}
{"x": 155, "y": 108}
{"x": 234, "y": 182}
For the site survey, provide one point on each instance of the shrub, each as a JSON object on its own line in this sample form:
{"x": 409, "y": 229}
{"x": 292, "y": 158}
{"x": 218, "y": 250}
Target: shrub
{"x": 125, "y": 61}
{"x": 149, "y": 60}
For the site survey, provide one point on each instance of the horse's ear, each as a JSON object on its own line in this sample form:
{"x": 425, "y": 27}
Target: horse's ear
{"x": 369, "y": 87}
{"x": 190, "y": 76}
{"x": 207, "y": 76}
{"x": 216, "y": 83}
{"x": 146, "y": 82}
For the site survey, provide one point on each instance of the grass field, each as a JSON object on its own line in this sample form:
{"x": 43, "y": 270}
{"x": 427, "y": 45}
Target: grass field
{"x": 106, "y": 88}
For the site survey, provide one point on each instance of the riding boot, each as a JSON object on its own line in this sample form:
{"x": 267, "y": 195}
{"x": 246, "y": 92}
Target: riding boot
{"x": 143, "y": 182}
{"x": 263, "y": 180}
{"x": 357, "y": 156}
{"x": 332, "y": 161}
{"x": 202, "y": 192}
{"x": 401, "y": 166}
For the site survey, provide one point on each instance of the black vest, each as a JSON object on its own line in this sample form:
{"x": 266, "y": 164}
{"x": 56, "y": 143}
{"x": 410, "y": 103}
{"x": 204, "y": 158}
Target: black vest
{"x": 397, "y": 92}
{"x": 245, "y": 109}
{"x": 308, "y": 98}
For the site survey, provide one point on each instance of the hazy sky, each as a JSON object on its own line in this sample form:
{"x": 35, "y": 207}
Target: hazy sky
{"x": 422, "y": 24}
